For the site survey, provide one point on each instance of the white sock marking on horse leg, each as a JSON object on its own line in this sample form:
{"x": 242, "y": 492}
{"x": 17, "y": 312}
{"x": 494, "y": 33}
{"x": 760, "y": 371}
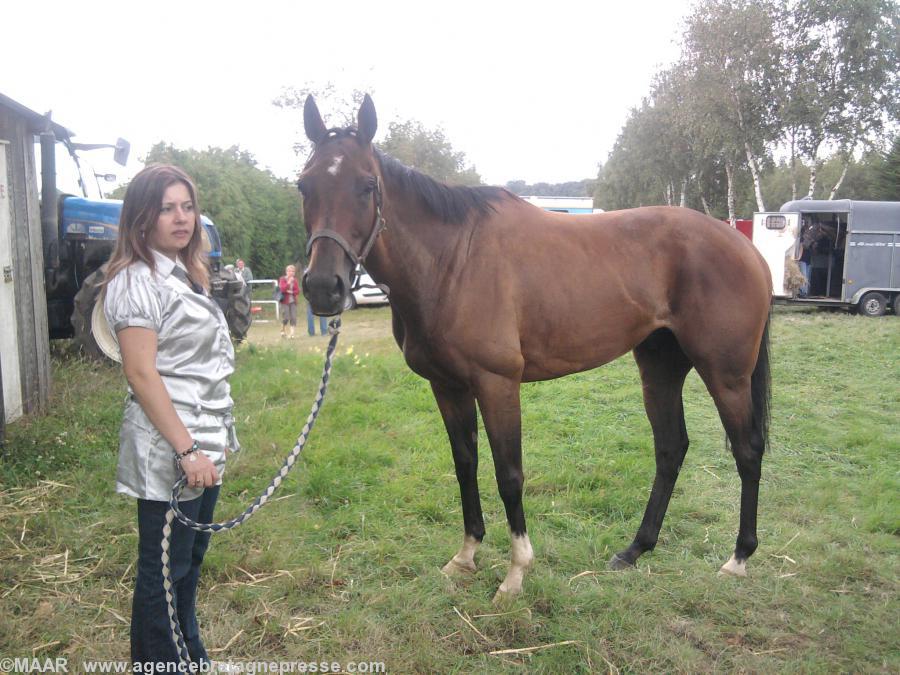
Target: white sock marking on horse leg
{"x": 734, "y": 568}
{"x": 464, "y": 560}
{"x": 521, "y": 556}
{"x": 335, "y": 165}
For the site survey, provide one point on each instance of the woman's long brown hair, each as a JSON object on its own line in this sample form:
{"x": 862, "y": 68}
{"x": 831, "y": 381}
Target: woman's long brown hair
{"x": 140, "y": 213}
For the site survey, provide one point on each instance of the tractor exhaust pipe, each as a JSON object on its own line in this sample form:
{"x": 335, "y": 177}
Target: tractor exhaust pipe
{"x": 49, "y": 208}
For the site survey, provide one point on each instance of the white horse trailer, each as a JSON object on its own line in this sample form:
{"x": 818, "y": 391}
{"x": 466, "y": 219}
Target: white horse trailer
{"x": 851, "y": 250}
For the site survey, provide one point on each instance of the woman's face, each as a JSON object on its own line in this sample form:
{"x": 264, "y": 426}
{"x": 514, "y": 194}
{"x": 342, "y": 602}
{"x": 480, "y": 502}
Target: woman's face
{"x": 175, "y": 225}
{"x": 289, "y": 271}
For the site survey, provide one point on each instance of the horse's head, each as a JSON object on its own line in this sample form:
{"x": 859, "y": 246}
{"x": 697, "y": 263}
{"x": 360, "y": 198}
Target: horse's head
{"x": 341, "y": 187}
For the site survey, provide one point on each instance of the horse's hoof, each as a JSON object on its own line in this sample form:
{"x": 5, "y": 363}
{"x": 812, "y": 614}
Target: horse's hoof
{"x": 618, "y": 563}
{"x": 505, "y": 597}
{"x": 454, "y": 568}
{"x": 734, "y": 568}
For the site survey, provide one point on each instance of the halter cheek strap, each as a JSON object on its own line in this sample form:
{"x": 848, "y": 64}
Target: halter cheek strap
{"x": 377, "y": 227}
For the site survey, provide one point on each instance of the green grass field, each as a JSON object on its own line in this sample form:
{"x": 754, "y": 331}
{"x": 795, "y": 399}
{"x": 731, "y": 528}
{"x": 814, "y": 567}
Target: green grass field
{"x": 344, "y": 563}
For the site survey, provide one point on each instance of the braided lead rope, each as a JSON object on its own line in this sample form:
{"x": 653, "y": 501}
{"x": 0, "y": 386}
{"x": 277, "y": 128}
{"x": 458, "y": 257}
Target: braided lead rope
{"x": 184, "y": 657}
{"x": 175, "y": 512}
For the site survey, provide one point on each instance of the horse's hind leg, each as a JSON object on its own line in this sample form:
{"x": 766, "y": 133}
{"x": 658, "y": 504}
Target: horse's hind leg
{"x": 457, "y": 407}
{"x": 663, "y": 367}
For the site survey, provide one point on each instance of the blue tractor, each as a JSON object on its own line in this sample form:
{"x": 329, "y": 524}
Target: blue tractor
{"x": 79, "y": 234}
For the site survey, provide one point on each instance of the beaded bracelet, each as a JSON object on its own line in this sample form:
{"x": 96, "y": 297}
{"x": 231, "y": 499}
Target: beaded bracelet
{"x": 195, "y": 446}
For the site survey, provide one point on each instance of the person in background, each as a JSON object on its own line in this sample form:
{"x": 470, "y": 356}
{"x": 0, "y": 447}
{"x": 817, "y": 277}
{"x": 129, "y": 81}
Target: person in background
{"x": 311, "y": 322}
{"x": 290, "y": 291}
{"x": 177, "y": 358}
{"x": 243, "y": 271}
{"x": 803, "y": 255}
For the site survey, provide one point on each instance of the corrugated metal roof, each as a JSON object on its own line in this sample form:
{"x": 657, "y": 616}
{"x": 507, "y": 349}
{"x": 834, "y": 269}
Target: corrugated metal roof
{"x": 39, "y": 122}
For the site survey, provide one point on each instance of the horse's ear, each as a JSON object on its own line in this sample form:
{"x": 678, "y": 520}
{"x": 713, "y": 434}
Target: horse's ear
{"x": 312, "y": 121}
{"x": 367, "y": 120}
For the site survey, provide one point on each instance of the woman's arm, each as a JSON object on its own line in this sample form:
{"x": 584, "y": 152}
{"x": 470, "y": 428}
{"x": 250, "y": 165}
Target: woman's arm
{"x": 138, "y": 347}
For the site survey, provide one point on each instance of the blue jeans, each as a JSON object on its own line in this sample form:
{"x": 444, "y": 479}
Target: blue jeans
{"x": 311, "y": 323}
{"x": 151, "y": 637}
{"x": 804, "y": 270}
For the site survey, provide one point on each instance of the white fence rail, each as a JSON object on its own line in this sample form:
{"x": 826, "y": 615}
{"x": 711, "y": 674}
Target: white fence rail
{"x": 270, "y": 283}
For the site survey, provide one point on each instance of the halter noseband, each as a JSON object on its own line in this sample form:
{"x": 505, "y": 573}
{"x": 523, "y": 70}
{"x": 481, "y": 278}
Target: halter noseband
{"x": 377, "y": 227}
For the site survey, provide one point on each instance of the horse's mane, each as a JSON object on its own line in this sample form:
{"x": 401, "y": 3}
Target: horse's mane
{"x": 450, "y": 203}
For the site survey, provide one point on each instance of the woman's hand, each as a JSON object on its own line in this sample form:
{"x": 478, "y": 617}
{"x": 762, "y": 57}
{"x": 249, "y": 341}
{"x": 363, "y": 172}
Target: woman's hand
{"x": 199, "y": 469}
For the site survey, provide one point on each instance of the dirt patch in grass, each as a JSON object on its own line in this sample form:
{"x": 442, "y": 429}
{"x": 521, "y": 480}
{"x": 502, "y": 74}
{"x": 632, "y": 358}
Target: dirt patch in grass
{"x": 364, "y": 327}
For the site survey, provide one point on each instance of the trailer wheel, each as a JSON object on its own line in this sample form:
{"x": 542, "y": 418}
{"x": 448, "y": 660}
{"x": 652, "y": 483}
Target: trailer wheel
{"x": 85, "y": 300}
{"x": 873, "y": 304}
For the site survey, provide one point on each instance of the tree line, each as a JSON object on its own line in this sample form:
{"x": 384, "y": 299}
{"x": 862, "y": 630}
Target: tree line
{"x": 573, "y": 188}
{"x": 770, "y": 100}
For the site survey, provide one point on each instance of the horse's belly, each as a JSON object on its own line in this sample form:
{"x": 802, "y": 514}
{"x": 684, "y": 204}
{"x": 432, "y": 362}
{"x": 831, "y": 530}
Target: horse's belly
{"x": 553, "y": 364}
{"x": 557, "y": 346}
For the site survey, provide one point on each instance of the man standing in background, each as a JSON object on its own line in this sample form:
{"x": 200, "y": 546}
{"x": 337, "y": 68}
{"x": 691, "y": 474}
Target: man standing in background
{"x": 244, "y": 271}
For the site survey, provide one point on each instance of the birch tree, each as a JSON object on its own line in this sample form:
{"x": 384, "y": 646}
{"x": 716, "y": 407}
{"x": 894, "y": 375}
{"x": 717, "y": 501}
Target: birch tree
{"x": 730, "y": 47}
{"x": 842, "y": 86}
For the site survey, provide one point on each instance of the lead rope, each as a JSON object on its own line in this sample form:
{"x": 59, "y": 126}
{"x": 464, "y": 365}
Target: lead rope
{"x": 175, "y": 512}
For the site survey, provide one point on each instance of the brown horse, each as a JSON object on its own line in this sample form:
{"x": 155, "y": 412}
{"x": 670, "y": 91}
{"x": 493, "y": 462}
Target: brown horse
{"x": 488, "y": 291}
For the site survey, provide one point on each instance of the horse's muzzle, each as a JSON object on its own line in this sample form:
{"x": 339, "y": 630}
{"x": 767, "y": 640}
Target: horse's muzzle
{"x": 325, "y": 292}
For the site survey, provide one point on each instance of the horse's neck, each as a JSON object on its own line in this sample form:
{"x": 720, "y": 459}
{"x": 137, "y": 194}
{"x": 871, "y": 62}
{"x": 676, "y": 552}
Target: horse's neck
{"x": 414, "y": 253}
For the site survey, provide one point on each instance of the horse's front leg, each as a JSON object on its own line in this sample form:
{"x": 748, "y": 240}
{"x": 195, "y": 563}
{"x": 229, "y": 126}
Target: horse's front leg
{"x": 498, "y": 398}
{"x": 457, "y": 407}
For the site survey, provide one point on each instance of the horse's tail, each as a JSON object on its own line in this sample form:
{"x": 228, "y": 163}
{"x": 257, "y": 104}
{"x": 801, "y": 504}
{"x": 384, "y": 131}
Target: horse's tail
{"x": 761, "y": 391}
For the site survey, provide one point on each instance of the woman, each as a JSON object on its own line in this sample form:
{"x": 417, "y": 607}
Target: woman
{"x": 177, "y": 357}
{"x": 290, "y": 289}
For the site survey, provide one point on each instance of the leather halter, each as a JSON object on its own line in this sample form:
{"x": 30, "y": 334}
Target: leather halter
{"x": 378, "y": 227}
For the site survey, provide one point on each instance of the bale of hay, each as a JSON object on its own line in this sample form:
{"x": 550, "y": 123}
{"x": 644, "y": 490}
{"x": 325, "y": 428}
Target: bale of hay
{"x": 793, "y": 277}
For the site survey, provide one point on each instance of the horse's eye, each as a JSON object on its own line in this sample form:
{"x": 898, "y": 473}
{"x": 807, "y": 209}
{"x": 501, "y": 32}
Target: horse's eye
{"x": 302, "y": 187}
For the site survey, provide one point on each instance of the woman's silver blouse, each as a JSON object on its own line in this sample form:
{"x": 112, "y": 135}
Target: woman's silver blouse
{"x": 194, "y": 358}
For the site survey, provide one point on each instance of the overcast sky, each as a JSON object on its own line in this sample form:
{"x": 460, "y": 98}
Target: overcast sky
{"x": 531, "y": 91}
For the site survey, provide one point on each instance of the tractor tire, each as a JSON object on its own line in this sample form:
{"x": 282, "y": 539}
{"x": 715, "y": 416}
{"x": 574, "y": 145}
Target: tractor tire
{"x": 238, "y": 313}
{"x": 233, "y": 296}
{"x": 85, "y": 300}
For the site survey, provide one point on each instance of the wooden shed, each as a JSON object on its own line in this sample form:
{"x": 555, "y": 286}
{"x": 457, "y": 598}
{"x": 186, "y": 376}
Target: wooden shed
{"x": 24, "y": 341}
